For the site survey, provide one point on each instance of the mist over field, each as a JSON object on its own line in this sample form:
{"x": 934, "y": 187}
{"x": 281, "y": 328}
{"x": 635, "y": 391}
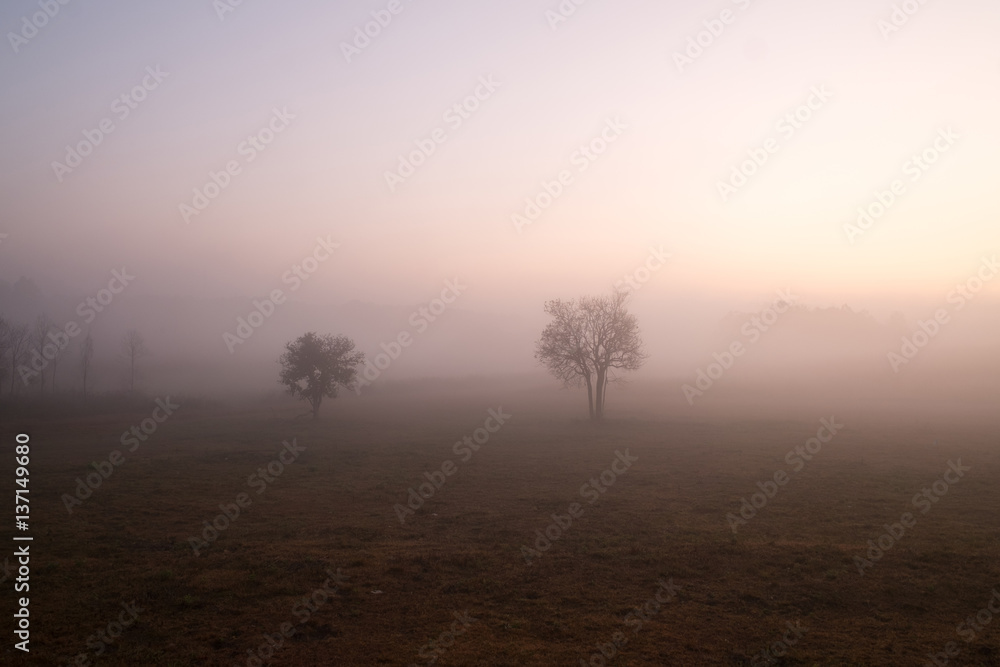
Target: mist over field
{"x": 357, "y": 179}
{"x": 838, "y": 353}
{"x": 524, "y": 333}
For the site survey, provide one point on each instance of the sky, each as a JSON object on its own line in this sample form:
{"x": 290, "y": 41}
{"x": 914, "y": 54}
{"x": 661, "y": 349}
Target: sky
{"x": 673, "y": 130}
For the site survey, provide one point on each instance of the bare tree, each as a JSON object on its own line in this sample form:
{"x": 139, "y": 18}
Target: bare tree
{"x": 314, "y": 366}
{"x": 616, "y": 344}
{"x": 5, "y": 367}
{"x": 18, "y": 338}
{"x": 43, "y": 325}
{"x": 562, "y": 347}
{"x": 133, "y": 349}
{"x": 86, "y": 356}
{"x": 589, "y": 341}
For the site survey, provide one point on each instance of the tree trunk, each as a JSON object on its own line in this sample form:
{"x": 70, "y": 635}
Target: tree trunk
{"x": 599, "y": 402}
{"x": 590, "y": 397}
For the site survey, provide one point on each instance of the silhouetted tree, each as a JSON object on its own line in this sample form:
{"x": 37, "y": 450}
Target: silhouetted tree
{"x": 562, "y": 348}
{"x": 133, "y": 349}
{"x": 5, "y": 366}
{"x": 588, "y": 341}
{"x": 86, "y": 356}
{"x": 43, "y": 325}
{"x": 314, "y": 367}
{"x": 18, "y": 337}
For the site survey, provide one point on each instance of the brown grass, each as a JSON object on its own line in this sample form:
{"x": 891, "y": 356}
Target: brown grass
{"x": 665, "y": 518}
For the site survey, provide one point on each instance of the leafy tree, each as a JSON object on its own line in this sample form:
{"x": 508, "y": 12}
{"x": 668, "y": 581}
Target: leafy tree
{"x": 314, "y": 367}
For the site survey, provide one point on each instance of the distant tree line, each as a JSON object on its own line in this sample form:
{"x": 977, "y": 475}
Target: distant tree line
{"x": 589, "y": 342}
{"x": 37, "y": 359}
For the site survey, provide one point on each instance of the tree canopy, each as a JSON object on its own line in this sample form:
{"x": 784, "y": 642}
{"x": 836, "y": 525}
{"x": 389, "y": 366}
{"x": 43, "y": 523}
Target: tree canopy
{"x": 313, "y": 367}
{"x": 588, "y": 341}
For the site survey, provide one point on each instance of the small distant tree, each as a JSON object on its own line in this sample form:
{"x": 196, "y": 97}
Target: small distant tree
{"x": 86, "y": 358}
{"x": 43, "y": 325}
{"x": 588, "y": 342}
{"x": 133, "y": 349}
{"x": 18, "y": 338}
{"x": 5, "y": 366}
{"x": 314, "y": 367}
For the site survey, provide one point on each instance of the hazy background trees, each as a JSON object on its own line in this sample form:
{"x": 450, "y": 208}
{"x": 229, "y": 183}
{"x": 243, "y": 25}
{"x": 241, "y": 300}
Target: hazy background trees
{"x": 133, "y": 348}
{"x": 86, "y": 358}
{"x": 811, "y": 355}
{"x": 17, "y": 348}
{"x": 39, "y": 339}
{"x": 31, "y": 356}
{"x": 5, "y": 361}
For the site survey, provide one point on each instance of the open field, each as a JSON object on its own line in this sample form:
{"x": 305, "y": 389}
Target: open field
{"x": 662, "y": 518}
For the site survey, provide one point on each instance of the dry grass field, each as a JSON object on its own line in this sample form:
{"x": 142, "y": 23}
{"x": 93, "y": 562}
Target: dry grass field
{"x": 451, "y": 585}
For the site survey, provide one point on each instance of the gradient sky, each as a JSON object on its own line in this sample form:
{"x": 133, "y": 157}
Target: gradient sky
{"x": 656, "y": 185}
